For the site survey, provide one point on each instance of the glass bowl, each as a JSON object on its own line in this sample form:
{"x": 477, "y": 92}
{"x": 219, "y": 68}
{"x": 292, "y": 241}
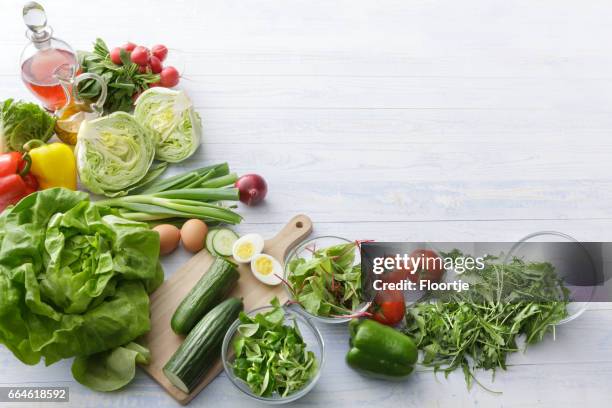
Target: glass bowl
{"x": 314, "y": 342}
{"x": 572, "y": 263}
{"x": 305, "y": 250}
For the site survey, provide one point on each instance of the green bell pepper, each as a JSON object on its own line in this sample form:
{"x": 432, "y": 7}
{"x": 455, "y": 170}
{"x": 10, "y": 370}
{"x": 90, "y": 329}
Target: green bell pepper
{"x": 380, "y": 350}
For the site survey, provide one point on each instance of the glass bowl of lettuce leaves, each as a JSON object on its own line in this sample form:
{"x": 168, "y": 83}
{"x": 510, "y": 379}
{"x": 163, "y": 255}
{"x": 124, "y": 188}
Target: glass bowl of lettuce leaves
{"x": 273, "y": 354}
{"x": 323, "y": 277}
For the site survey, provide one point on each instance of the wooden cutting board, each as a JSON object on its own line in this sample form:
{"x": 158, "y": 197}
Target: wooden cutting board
{"x": 163, "y": 342}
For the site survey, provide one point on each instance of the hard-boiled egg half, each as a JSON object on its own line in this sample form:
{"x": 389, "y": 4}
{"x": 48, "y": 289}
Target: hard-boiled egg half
{"x": 246, "y": 247}
{"x": 266, "y": 269}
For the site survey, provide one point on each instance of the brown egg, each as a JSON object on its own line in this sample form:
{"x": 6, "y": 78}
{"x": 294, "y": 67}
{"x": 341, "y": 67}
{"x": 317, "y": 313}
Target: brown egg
{"x": 169, "y": 237}
{"x": 193, "y": 235}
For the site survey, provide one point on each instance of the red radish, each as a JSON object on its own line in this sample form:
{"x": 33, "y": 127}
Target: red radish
{"x": 169, "y": 77}
{"x": 160, "y": 51}
{"x": 155, "y": 64}
{"x": 115, "y": 56}
{"x": 129, "y": 46}
{"x": 140, "y": 55}
{"x": 252, "y": 188}
{"x": 154, "y": 84}
{"x": 142, "y": 69}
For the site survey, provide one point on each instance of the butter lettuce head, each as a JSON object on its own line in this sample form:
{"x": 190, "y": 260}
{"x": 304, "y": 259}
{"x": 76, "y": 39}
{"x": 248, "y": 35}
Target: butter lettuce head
{"x": 170, "y": 115}
{"x": 113, "y": 153}
{"x": 74, "y": 278}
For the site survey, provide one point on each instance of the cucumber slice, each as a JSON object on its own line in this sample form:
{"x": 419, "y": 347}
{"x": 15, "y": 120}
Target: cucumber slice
{"x": 209, "y": 240}
{"x": 223, "y": 241}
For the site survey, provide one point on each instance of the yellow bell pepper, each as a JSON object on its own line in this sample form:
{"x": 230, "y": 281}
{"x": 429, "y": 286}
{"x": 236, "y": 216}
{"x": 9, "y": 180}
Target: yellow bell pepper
{"x": 53, "y": 165}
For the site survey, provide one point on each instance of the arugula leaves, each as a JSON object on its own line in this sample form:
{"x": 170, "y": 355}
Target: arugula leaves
{"x": 272, "y": 357}
{"x": 328, "y": 283}
{"x": 480, "y": 327}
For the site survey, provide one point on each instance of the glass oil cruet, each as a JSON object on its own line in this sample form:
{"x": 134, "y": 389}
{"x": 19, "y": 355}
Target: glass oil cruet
{"x": 76, "y": 110}
{"x": 42, "y": 56}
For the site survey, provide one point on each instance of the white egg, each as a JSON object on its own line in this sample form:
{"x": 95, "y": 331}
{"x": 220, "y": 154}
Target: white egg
{"x": 266, "y": 269}
{"x": 246, "y": 247}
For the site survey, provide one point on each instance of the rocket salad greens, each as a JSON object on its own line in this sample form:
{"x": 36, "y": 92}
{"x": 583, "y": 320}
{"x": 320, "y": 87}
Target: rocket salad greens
{"x": 480, "y": 327}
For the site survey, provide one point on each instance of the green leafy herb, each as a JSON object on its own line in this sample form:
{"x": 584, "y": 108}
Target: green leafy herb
{"x": 21, "y": 122}
{"x": 480, "y": 327}
{"x": 328, "y": 284}
{"x": 74, "y": 278}
{"x": 123, "y": 81}
{"x": 272, "y": 357}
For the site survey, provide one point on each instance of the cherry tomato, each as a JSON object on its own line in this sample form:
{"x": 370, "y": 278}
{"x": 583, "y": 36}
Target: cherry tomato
{"x": 389, "y": 307}
{"x": 432, "y": 266}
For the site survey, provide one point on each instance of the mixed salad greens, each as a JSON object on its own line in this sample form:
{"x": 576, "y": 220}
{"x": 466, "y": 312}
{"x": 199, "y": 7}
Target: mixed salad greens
{"x": 328, "y": 284}
{"x": 272, "y": 357}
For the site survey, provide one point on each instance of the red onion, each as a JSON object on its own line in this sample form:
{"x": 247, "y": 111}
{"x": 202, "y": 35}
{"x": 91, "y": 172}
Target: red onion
{"x": 253, "y": 188}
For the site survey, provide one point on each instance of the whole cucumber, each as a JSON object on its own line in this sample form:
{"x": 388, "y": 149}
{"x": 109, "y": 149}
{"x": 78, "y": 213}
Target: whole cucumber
{"x": 201, "y": 347}
{"x": 206, "y": 293}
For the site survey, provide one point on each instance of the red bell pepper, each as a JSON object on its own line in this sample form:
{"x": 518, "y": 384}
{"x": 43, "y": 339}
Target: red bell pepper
{"x": 15, "y": 180}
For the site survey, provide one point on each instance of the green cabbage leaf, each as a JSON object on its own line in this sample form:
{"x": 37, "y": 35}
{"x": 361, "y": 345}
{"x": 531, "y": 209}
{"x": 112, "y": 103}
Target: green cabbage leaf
{"x": 114, "y": 153}
{"x": 170, "y": 115}
{"x": 74, "y": 278}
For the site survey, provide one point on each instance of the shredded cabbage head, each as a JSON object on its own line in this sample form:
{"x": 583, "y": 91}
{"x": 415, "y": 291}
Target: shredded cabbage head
{"x": 171, "y": 116}
{"x": 113, "y": 153}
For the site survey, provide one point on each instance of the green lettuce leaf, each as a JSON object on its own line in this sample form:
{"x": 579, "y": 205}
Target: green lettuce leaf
{"x": 110, "y": 370}
{"x": 74, "y": 278}
{"x": 21, "y": 122}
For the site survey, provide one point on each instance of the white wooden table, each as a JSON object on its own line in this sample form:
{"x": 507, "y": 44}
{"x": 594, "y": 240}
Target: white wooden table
{"x": 388, "y": 120}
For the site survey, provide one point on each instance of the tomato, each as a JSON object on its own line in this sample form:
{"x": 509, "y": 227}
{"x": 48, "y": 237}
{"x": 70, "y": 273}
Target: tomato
{"x": 432, "y": 266}
{"x": 398, "y": 275}
{"x": 389, "y": 307}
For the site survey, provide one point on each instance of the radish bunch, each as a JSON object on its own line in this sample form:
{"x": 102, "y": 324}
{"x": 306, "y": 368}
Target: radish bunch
{"x": 148, "y": 60}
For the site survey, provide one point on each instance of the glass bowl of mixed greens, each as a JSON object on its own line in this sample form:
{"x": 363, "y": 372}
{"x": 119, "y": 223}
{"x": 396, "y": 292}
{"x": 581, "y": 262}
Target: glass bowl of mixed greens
{"x": 323, "y": 277}
{"x": 273, "y": 354}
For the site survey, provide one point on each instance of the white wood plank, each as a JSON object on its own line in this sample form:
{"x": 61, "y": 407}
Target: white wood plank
{"x": 388, "y": 120}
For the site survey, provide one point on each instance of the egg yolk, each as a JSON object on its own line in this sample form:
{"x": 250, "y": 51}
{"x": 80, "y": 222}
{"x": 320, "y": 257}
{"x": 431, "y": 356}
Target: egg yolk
{"x": 245, "y": 251}
{"x": 264, "y": 266}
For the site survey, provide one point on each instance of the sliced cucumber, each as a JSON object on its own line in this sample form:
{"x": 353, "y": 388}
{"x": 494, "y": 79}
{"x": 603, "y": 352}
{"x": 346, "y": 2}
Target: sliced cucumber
{"x": 209, "y": 240}
{"x": 223, "y": 241}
